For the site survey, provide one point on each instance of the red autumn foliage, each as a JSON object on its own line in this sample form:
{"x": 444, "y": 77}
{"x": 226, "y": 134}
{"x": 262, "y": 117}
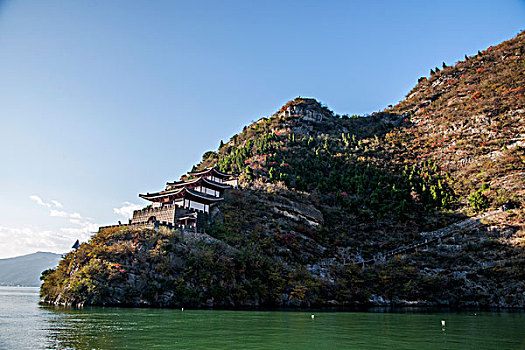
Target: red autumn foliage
{"x": 477, "y": 95}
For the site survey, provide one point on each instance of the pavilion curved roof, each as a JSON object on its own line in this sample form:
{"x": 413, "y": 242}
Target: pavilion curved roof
{"x": 191, "y": 194}
{"x": 211, "y": 171}
{"x": 182, "y": 183}
{"x": 199, "y": 181}
{"x": 181, "y": 193}
{"x": 160, "y": 194}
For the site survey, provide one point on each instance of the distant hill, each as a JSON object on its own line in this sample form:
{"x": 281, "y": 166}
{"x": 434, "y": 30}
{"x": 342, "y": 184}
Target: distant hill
{"x": 25, "y": 270}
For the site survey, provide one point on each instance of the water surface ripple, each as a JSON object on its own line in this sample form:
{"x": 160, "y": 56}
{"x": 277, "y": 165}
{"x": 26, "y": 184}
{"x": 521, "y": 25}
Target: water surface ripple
{"x": 26, "y": 325}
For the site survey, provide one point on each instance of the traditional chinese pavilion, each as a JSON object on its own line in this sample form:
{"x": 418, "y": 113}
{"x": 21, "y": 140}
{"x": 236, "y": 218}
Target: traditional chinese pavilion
{"x": 188, "y": 202}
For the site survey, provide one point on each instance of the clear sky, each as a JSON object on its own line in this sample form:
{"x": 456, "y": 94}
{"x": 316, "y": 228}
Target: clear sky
{"x": 102, "y": 100}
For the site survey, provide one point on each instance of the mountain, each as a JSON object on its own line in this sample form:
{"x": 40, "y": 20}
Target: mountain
{"x": 25, "y": 270}
{"x": 401, "y": 207}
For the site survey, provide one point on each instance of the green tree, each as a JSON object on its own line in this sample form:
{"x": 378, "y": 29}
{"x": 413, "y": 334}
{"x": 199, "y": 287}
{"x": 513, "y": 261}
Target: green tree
{"x": 249, "y": 173}
{"x": 478, "y": 200}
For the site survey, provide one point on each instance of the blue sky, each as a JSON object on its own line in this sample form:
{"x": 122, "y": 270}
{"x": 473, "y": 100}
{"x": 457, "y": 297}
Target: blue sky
{"x": 102, "y": 100}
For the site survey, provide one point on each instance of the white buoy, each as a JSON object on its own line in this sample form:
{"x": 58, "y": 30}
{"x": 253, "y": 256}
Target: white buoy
{"x": 182, "y": 309}
{"x": 312, "y": 316}
{"x": 442, "y": 323}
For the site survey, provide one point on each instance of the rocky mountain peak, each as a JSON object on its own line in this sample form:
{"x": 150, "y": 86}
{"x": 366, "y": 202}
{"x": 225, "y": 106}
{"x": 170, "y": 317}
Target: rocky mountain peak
{"x": 307, "y": 108}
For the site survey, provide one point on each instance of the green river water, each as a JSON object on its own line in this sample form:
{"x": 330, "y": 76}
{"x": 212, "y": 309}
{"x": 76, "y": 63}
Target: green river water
{"x": 26, "y": 325}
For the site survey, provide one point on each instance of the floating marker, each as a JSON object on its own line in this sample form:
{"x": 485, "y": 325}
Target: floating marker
{"x": 442, "y": 323}
{"x": 312, "y": 316}
{"x": 182, "y": 309}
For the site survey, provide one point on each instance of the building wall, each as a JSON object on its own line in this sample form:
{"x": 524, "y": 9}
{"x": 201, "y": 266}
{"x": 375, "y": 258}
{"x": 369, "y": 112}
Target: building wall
{"x": 202, "y": 220}
{"x": 232, "y": 182}
{"x": 195, "y": 205}
{"x": 168, "y": 212}
{"x": 129, "y": 226}
{"x": 213, "y": 178}
{"x": 203, "y": 189}
{"x": 165, "y": 213}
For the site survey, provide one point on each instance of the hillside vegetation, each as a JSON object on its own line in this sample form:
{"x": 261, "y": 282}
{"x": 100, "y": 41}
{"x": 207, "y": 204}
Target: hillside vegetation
{"x": 323, "y": 198}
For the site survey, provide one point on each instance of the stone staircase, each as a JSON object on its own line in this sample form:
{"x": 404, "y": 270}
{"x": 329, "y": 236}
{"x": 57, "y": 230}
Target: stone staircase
{"x": 431, "y": 238}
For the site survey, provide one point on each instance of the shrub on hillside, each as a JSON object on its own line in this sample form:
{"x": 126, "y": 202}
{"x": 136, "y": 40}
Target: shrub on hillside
{"x": 478, "y": 200}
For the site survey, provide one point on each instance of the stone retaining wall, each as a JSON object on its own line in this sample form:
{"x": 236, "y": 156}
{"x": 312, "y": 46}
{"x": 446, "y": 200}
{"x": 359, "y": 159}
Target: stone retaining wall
{"x": 165, "y": 213}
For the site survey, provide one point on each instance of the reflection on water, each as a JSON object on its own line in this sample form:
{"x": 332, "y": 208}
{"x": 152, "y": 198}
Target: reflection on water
{"x": 25, "y": 325}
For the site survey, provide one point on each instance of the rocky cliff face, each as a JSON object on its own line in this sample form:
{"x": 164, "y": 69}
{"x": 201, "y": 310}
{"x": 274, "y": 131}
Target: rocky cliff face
{"x": 307, "y": 109}
{"x": 469, "y": 119}
{"x": 400, "y": 207}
